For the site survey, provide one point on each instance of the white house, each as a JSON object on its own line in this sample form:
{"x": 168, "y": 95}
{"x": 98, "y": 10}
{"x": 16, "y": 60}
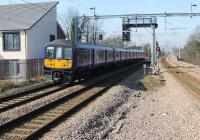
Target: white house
{"x": 25, "y": 29}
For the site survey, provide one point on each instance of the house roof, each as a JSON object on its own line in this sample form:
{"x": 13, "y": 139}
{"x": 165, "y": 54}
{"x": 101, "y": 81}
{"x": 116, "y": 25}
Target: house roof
{"x": 23, "y": 16}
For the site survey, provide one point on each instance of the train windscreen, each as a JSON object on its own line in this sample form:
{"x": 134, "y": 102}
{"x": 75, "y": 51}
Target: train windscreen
{"x": 59, "y": 53}
{"x": 50, "y": 52}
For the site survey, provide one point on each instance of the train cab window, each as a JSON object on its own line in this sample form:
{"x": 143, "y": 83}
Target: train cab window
{"x": 50, "y": 52}
{"x": 58, "y": 52}
{"x": 67, "y": 53}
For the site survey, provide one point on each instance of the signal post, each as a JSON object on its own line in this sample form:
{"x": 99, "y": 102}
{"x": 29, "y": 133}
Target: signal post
{"x": 142, "y": 22}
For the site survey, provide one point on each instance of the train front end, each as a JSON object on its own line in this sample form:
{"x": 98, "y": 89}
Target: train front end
{"x": 58, "y": 62}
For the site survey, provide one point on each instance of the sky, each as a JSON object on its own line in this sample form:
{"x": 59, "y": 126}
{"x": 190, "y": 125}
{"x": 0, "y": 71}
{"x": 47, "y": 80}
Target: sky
{"x": 166, "y": 37}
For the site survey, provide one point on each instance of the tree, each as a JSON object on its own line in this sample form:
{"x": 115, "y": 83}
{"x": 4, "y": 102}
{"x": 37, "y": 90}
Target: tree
{"x": 94, "y": 29}
{"x": 114, "y": 41}
{"x": 70, "y": 27}
{"x": 191, "y": 51}
{"x": 87, "y": 30}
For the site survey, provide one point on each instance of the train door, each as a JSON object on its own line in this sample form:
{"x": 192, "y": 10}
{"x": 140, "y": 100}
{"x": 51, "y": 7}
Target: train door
{"x": 106, "y": 56}
{"x": 93, "y": 56}
{"x": 59, "y": 54}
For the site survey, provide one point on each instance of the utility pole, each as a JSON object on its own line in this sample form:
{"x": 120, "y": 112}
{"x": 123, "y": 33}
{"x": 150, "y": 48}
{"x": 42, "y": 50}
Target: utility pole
{"x": 93, "y": 27}
{"x": 75, "y": 24}
{"x": 192, "y": 5}
{"x": 153, "y": 49}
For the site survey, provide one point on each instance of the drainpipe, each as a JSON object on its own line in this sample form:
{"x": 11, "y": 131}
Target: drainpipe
{"x": 24, "y": 64}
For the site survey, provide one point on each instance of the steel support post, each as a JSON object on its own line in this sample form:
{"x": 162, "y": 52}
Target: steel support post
{"x": 75, "y": 24}
{"x": 153, "y": 49}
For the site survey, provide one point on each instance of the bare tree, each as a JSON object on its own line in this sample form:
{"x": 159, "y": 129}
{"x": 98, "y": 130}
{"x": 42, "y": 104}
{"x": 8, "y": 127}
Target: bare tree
{"x": 88, "y": 30}
{"x": 94, "y": 30}
{"x": 70, "y": 27}
{"x": 191, "y": 51}
{"x": 114, "y": 41}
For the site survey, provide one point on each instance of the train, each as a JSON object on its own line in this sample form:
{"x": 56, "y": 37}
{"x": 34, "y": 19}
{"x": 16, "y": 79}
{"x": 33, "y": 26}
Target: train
{"x": 67, "y": 61}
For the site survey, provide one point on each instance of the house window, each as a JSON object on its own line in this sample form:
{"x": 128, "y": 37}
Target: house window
{"x": 11, "y": 41}
{"x": 52, "y": 37}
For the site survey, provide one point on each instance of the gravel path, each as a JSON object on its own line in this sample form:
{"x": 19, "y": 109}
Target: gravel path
{"x": 192, "y": 70}
{"x": 169, "y": 113}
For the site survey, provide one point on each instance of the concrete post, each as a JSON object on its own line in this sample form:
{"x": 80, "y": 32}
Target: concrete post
{"x": 75, "y": 24}
{"x": 153, "y": 49}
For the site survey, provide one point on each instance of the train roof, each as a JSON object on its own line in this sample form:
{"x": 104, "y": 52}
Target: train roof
{"x": 60, "y": 42}
{"x": 93, "y": 46}
{"x": 67, "y": 43}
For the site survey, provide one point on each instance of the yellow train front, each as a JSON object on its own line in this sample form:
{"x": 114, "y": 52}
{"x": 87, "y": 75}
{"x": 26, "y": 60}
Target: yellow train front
{"x": 58, "y": 61}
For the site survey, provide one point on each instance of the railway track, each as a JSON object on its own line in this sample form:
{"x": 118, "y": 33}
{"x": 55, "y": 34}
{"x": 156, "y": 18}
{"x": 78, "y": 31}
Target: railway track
{"x": 180, "y": 64}
{"x": 19, "y": 99}
{"x": 35, "y": 123}
{"x": 190, "y": 82}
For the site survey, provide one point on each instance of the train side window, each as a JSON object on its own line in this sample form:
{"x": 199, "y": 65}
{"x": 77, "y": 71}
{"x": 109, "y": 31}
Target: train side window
{"x": 86, "y": 55}
{"x": 89, "y": 52}
{"x": 102, "y": 55}
{"x": 82, "y": 54}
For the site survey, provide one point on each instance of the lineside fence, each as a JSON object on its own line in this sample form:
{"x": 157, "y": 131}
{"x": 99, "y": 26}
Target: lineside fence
{"x": 21, "y": 70}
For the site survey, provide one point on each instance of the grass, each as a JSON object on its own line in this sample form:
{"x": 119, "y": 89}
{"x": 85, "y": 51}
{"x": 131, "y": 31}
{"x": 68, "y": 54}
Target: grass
{"x": 6, "y": 85}
{"x": 152, "y": 82}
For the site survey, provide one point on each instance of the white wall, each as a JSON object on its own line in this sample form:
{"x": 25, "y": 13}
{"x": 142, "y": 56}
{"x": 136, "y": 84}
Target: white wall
{"x": 38, "y": 36}
{"x": 13, "y": 54}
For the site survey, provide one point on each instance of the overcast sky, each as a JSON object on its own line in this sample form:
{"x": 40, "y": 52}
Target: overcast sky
{"x": 113, "y": 26}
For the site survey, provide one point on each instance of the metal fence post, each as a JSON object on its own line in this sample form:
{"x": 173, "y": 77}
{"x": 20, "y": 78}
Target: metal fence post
{"x": 38, "y": 65}
{"x": 14, "y": 64}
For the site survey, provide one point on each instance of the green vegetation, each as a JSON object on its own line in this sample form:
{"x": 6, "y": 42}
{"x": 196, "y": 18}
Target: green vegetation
{"x": 151, "y": 82}
{"x": 6, "y": 85}
{"x": 191, "y": 52}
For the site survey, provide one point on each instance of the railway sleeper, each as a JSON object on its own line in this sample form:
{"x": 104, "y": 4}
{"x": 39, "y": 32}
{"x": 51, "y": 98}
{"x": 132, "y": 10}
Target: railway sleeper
{"x": 44, "y": 117}
{"x": 14, "y": 101}
{"x": 11, "y": 136}
{"x": 19, "y": 99}
{"x": 38, "y": 122}
{"x": 52, "y": 114}
{"x": 32, "y": 126}
{"x": 56, "y": 112}
{"x": 7, "y": 103}
{"x": 23, "y": 131}
{"x": 3, "y": 105}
